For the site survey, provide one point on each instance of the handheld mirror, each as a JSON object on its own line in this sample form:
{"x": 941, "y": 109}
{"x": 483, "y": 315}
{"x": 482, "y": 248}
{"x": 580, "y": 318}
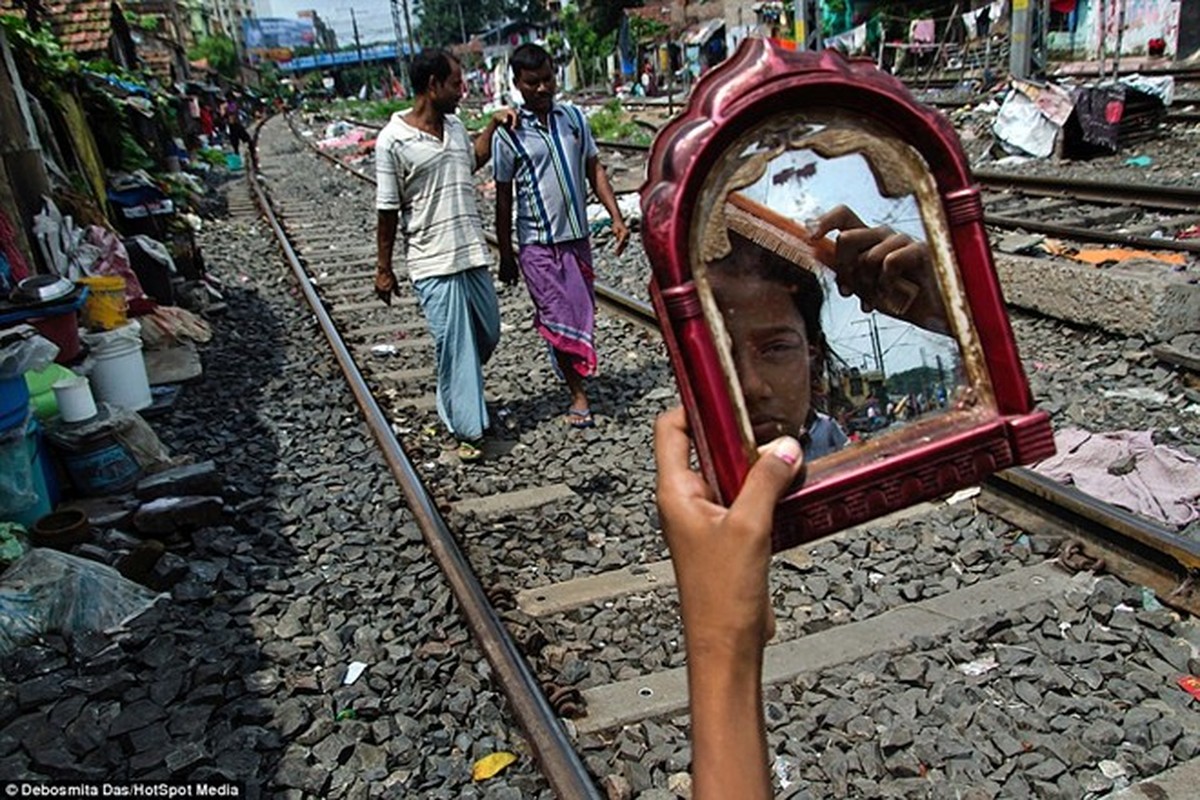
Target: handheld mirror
{"x": 821, "y": 270}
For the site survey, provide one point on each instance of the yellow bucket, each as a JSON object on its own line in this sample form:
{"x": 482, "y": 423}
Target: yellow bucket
{"x": 104, "y": 309}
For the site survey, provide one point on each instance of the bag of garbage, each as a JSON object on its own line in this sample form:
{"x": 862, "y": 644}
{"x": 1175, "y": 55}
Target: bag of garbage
{"x": 46, "y": 591}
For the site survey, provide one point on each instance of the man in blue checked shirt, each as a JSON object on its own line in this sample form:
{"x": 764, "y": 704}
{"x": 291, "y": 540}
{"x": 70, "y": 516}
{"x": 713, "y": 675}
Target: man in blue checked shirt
{"x": 548, "y": 156}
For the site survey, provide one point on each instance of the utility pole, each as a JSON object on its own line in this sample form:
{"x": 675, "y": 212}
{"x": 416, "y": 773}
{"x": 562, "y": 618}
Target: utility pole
{"x": 1020, "y": 54}
{"x": 808, "y": 24}
{"x": 403, "y": 45}
{"x": 358, "y": 45}
{"x": 462, "y": 26}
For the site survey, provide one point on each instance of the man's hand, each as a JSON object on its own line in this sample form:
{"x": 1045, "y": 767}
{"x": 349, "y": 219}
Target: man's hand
{"x": 386, "y": 284}
{"x": 504, "y": 118}
{"x": 621, "y": 232}
{"x": 509, "y": 272}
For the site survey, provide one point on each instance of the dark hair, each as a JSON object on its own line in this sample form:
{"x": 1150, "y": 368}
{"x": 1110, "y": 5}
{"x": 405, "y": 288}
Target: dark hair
{"x": 748, "y": 259}
{"x": 429, "y": 65}
{"x": 528, "y": 56}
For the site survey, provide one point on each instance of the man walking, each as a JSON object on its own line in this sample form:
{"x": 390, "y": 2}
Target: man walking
{"x": 548, "y": 155}
{"x": 424, "y": 161}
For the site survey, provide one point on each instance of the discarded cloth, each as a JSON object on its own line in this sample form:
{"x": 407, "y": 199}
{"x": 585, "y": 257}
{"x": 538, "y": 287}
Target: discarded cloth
{"x": 1126, "y": 469}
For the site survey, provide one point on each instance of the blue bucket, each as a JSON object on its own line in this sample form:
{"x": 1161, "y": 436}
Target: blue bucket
{"x": 14, "y": 402}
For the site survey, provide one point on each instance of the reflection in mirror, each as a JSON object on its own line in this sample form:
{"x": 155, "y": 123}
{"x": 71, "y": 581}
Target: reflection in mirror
{"x": 823, "y": 287}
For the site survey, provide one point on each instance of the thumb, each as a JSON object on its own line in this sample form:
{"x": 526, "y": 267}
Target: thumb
{"x": 772, "y": 473}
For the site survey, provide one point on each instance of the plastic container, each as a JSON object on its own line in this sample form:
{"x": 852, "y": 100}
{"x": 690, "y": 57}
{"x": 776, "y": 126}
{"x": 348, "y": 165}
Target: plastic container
{"x": 74, "y": 399}
{"x": 101, "y": 466}
{"x": 105, "y": 308}
{"x": 14, "y": 402}
{"x": 58, "y": 321}
{"x": 118, "y": 373}
{"x": 41, "y": 393}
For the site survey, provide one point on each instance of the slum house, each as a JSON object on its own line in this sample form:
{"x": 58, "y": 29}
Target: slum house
{"x": 102, "y": 289}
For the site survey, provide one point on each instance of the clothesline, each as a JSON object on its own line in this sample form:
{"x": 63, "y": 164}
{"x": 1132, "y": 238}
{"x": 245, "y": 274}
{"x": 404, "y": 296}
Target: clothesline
{"x": 883, "y": 15}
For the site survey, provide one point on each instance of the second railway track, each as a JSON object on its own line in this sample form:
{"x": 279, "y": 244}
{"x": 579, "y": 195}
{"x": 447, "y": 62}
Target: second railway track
{"x": 930, "y": 654}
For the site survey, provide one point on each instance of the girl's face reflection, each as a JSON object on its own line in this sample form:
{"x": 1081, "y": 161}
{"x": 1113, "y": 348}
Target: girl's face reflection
{"x": 770, "y": 350}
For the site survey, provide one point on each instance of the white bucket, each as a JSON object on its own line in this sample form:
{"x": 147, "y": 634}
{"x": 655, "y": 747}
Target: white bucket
{"x": 119, "y": 371}
{"x": 74, "y": 398}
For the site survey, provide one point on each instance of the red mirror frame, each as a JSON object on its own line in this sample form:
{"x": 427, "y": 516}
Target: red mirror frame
{"x": 759, "y": 79}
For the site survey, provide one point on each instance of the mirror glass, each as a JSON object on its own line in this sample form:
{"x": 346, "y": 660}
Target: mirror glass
{"x": 820, "y": 252}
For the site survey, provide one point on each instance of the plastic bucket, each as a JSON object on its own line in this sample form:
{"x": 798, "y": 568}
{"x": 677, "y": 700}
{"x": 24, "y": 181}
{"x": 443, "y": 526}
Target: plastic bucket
{"x": 14, "y": 402}
{"x": 102, "y": 466}
{"x": 118, "y": 374}
{"x": 74, "y": 398}
{"x": 41, "y": 393}
{"x": 105, "y": 308}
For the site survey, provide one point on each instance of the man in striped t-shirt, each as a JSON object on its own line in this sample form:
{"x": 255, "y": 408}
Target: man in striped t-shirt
{"x": 424, "y": 163}
{"x": 548, "y": 156}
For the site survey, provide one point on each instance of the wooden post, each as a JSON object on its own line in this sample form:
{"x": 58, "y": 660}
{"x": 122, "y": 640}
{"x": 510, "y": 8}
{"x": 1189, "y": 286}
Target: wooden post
{"x": 20, "y": 156}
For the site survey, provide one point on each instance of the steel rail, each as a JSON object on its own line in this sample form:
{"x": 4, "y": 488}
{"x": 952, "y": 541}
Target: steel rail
{"x": 618, "y": 301}
{"x": 1132, "y": 547}
{"x": 1174, "y": 198}
{"x": 559, "y": 761}
{"x": 1092, "y": 234}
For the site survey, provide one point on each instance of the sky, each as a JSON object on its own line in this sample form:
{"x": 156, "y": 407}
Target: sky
{"x": 374, "y": 17}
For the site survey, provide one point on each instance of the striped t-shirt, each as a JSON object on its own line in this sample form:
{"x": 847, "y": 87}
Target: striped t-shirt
{"x": 430, "y": 183}
{"x": 547, "y": 165}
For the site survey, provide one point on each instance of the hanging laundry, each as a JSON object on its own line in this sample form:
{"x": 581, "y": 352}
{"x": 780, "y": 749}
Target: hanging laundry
{"x": 922, "y": 31}
{"x": 852, "y": 41}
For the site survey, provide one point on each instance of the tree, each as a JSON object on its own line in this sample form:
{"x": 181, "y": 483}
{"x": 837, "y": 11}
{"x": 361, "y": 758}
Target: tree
{"x": 447, "y": 22}
{"x": 589, "y": 46}
{"x": 220, "y": 52}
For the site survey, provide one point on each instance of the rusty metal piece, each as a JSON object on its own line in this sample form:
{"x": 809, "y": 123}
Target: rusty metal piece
{"x": 567, "y": 701}
{"x": 535, "y": 643}
{"x": 1073, "y": 557}
{"x": 502, "y": 598}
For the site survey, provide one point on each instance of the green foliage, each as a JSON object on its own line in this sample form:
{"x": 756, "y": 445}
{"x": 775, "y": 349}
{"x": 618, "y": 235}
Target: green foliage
{"x": 39, "y": 50}
{"x": 648, "y": 30}
{"x": 368, "y": 110}
{"x": 612, "y": 124}
{"x": 220, "y": 52}
{"x": 591, "y": 49}
{"x": 146, "y": 22}
{"x": 132, "y": 155}
{"x": 444, "y": 22}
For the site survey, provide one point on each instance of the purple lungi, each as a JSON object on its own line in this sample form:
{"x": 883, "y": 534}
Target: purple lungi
{"x": 560, "y": 278}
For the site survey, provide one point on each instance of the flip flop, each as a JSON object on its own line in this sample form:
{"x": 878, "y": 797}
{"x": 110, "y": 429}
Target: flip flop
{"x": 580, "y": 419}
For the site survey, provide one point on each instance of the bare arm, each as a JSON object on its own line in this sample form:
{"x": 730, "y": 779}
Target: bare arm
{"x": 505, "y": 117}
{"x": 598, "y": 178}
{"x": 721, "y": 557}
{"x": 385, "y": 244}
{"x": 508, "y": 258}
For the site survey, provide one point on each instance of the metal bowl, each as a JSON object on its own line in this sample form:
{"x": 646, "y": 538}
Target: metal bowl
{"x": 42, "y": 289}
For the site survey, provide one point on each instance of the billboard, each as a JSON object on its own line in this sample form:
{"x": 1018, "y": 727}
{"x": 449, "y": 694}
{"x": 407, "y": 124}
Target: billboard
{"x": 273, "y": 33}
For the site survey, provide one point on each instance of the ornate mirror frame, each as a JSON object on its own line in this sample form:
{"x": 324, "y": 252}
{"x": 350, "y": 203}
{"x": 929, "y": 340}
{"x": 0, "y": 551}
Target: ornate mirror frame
{"x": 760, "y": 80}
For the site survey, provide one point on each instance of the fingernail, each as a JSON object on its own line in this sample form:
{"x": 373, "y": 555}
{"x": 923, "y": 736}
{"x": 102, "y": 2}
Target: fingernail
{"x": 787, "y": 450}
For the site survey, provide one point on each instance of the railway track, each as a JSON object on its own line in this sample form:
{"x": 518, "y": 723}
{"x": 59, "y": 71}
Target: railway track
{"x": 1134, "y": 215}
{"x": 621, "y": 683}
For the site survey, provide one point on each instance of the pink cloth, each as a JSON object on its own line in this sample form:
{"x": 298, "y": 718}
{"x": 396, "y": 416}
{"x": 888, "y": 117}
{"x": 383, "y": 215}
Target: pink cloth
{"x": 1164, "y": 484}
{"x": 922, "y": 31}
